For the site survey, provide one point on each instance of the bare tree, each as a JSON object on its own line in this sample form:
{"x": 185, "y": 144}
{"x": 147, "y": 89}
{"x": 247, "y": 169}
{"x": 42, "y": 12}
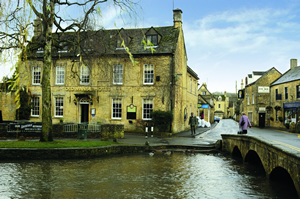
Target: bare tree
{"x": 53, "y": 19}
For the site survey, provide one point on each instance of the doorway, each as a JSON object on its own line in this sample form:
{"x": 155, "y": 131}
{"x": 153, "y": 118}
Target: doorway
{"x": 262, "y": 120}
{"x": 84, "y": 110}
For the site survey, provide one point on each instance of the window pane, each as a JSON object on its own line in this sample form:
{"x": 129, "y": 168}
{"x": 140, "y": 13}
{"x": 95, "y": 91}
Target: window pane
{"x": 148, "y": 73}
{"x": 59, "y": 106}
{"x": 147, "y": 108}
{"x": 35, "y": 111}
{"x": 60, "y": 74}
{"x": 118, "y": 74}
{"x": 85, "y": 74}
{"x": 36, "y": 76}
{"x": 117, "y": 108}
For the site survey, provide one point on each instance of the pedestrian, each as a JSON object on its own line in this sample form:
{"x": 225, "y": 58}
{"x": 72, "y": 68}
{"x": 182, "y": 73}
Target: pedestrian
{"x": 244, "y": 123}
{"x": 193, "y": 123}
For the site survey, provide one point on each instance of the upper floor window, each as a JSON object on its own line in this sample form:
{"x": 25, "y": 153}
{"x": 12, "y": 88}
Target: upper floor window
{"x": 60, "y": 74}
{"x": 277, "y": 96}
{"x": 298, "y": 91}
{"x": 36, "y": 75}
{"x": 148, "y": 73}
{"x": 35, "y": 111}
{"x": 191, "y": 82}
{"x": 252, "y": 98}
{"x": 118, "y": 74}
{"x": 117, "y": 109}
{"x": 63, "y": 48}
{"x": 147, "y": 109}
{"x": 219, "y": 105}
{"x": 203, "y": 92}
{"x": 248, "y": 100}
{"x": 153, "y": 39}
{"x": 286, "y": 93}
{"x": 85, "y": 75}
{"x": 59, "y": 107}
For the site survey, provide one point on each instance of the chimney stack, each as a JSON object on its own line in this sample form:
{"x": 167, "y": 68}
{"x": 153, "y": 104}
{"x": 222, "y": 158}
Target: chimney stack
{"x": 242, "y": 84}
{"x": 177, "y": 17}
{"x": 37, "y": 27}
{"x": 293, "y": 63}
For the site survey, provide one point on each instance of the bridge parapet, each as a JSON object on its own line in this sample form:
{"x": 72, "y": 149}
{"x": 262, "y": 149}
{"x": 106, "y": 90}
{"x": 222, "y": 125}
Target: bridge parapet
{"x": 271, "y": 154}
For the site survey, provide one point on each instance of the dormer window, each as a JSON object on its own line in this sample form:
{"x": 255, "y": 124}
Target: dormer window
{"x": 88, "y": 45}
{"x": 153, "y": 39}
{"x": 122, "y": 36}
{"x": 63, "y": 48}
{"x": 40, "y": 50}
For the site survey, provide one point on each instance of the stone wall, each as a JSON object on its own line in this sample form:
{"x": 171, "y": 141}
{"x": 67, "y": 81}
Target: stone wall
{"x": 7, "y": 105}
{"x": 58, "y": 132}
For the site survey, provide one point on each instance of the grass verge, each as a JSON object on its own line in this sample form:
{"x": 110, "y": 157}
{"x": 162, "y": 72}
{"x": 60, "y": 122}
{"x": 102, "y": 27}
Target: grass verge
{"x": 54, "y": 144}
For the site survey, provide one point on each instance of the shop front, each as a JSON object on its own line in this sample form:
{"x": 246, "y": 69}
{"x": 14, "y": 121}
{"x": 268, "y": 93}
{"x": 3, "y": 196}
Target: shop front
{"x": 291, "y": 112}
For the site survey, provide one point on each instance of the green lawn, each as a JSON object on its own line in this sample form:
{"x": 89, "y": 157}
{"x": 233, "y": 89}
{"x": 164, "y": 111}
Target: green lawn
{"x": 54, "y": 144}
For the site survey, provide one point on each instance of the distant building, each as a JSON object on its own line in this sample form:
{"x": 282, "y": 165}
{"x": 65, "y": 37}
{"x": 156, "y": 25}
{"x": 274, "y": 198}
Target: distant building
{"x": 285, "y": 97}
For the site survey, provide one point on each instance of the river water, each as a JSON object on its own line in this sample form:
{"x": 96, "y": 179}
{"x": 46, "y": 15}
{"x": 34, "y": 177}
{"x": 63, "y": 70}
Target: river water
{"x": 179, "y": 175}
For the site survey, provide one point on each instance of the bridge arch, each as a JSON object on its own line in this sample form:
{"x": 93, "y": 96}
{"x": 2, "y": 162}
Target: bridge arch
{"x": 274, "y": 158}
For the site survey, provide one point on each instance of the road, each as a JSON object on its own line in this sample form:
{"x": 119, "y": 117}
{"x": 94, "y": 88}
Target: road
{"x": 228, "y": 126}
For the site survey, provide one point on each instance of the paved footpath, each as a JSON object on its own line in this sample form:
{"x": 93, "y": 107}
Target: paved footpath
{"x": 182, "y": 138}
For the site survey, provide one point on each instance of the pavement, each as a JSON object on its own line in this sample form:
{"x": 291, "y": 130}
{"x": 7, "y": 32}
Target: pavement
{"x": 182, "y": 138}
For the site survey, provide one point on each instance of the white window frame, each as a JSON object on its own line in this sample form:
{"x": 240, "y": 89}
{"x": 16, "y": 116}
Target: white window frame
{"x": 59, "y": 107}
{"x": 191, "y": 85}
{"x": 250, "y": 116}
{"x": 203, "y": 92}
{"x": 36, "y": 75}
{"x": 116, "y": 112}
{"x": 151, "y": 39}
{"x": 35, "y": 111}
{"x": 248, "y": 100}
{"x": 60, "y": 75}
{"x": 149, "y": 76}
{"x": 85, "y": 75}
{"x": 118, "y": 74}
{"x": 147, "y": 110}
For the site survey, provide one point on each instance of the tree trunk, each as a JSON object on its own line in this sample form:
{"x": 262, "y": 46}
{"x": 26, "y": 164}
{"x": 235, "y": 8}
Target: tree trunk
{"x": 46, "y": 87}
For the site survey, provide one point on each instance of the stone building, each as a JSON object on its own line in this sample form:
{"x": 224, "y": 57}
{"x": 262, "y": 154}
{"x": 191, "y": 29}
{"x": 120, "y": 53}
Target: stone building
{"x": 285, "y": 97}
{"x": 205, "y": 104}
{"x": 256, "y": 97}
{"x": 99, "y": 82}
{"x": 221, "y": 104}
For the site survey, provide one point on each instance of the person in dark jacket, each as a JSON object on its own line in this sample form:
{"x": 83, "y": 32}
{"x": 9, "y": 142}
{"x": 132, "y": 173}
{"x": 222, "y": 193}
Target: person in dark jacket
{"x": 193, "y": 123}
{"x": 244, "y": 125}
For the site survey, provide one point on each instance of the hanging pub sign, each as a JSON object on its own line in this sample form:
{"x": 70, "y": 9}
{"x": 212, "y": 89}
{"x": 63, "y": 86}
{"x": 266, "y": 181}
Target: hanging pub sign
{"x": 241, "y": 94}
{"x": 131, "y": 112}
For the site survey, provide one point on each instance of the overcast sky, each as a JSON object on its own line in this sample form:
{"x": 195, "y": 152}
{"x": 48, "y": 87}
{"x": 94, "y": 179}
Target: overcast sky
{"x": 225, "y": 39}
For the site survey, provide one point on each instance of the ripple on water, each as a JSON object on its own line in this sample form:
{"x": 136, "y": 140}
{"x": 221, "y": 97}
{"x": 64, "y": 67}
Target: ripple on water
{"x": 136, "y": 176}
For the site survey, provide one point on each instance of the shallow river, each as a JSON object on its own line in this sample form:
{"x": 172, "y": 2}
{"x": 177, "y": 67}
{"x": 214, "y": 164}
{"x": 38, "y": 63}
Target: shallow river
{"x": 139, "y": 176}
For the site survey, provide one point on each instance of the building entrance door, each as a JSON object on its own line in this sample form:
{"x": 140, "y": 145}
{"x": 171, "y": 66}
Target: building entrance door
{"x": 262, "y": 120}
{"x": 84, "y": 109}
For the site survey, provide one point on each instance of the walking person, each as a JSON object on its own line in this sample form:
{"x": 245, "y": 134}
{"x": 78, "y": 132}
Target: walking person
{"x": 193, "y": 123}
{"x": 244, "y": 123}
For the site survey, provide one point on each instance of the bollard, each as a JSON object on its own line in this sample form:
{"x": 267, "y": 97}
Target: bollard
{"x": 152, "y": 128}
{"x": 146, "y": 131}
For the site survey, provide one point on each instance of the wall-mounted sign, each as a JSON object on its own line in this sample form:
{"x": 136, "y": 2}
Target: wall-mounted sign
{"x": 241, "y": 94}
{"x": 93, "y": 111}
{"x": 263, "y": 89}
{"x": 205, "y": 106}
{"x": 262, "y": 109}
{"x": 131, "y": 112}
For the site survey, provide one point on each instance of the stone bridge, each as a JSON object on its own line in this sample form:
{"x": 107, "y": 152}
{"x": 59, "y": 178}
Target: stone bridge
{"x": 275, "y": 158}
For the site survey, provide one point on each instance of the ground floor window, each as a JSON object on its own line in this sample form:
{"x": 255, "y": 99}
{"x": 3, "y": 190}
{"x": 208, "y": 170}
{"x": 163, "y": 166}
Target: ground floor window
{"x": 35, "y": 111}
{"x": 59, "y": 106}
{"x": 117, "y": 108}
{"x": 250, "y": 116}
{"x": 147, "y": 108}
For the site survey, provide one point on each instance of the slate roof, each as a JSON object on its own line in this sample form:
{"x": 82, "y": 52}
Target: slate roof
{"x": 262, "y": 75}
{"x": 105, "y": 41}
{"x": 289, "y": 76}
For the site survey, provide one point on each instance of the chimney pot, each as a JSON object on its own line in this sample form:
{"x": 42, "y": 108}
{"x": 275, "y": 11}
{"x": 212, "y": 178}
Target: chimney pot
{"x": 177, "y": 17}
{"x": 293, "y": 63}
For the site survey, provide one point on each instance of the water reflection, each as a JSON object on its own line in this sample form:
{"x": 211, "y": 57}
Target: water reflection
{"x": 138, "y": 176}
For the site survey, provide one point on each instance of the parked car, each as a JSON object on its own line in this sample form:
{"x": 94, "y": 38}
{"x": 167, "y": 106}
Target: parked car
{"x": 217, "y": 119}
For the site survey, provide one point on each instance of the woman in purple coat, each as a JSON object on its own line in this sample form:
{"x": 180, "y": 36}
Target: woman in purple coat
{"x": 246, "y": 123}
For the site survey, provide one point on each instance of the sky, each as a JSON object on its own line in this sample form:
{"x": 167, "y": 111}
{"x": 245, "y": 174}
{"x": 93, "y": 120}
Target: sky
{"x": 225, "y": 39}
